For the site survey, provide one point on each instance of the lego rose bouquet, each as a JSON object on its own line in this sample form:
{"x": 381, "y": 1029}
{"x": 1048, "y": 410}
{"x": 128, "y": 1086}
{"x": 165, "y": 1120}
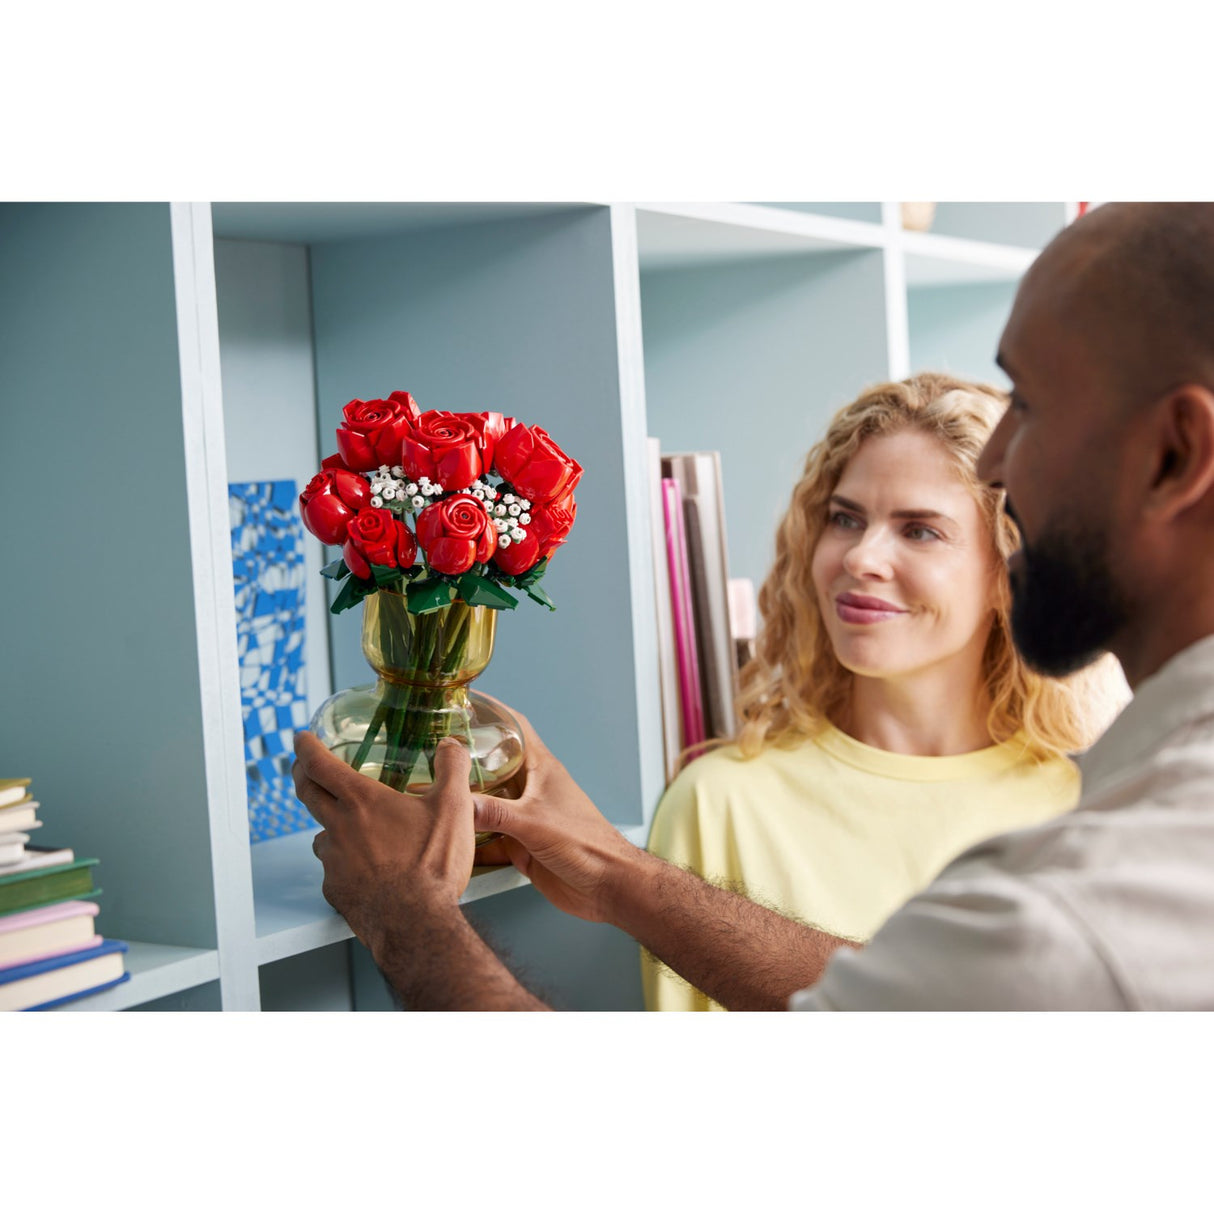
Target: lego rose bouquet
{"x": 440, "y": 516}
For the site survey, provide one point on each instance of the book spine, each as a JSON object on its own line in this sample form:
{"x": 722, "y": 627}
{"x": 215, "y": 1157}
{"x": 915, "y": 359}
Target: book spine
{"x": 684, "y": 620}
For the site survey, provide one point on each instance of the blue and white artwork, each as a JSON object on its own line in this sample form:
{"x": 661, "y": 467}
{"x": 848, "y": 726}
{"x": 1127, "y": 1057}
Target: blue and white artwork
{"x": 268, "y": 568}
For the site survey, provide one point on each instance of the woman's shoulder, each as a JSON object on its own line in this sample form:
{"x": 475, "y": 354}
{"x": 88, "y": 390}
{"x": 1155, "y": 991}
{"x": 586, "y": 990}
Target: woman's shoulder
{"x": 724, "y": 774}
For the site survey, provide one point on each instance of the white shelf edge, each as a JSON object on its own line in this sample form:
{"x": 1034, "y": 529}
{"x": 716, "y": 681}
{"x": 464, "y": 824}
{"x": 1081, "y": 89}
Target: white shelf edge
{"x": 1009, "y": 261}
{"x": 333, "y": 929}
{"x": 843, "y": 232}
{"x": 156, "y": 970}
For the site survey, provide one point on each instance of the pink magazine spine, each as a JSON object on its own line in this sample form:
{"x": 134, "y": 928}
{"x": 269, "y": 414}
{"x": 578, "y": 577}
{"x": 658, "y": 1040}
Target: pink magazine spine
{"x": 684, "y": 626}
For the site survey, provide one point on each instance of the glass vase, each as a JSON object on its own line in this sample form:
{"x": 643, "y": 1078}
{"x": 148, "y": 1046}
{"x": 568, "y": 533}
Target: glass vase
{"x": 390, "y": 729}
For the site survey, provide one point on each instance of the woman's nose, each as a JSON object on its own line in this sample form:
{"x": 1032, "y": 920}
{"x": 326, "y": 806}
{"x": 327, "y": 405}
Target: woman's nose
{"x": 869, "y": 555}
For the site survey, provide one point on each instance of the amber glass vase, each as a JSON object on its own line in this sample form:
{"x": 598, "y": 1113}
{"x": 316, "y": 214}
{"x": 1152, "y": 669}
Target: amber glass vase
{"x": 390, "y": 729}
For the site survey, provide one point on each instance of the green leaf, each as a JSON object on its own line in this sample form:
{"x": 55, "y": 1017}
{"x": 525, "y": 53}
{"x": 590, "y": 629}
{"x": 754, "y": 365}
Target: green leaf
{"x": 481, "y": 592}
{"x": 385, "y": 575}
{"x": 532, "y": 575}
{"x": 351, "y": 594}
{"x": 429, "y": 595}
{"x": 336, "y": 570}
{"x": 540, "y": 595}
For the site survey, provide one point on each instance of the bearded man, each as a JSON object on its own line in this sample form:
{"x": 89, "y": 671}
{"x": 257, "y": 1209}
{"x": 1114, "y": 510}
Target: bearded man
{"x": 1107, "y": 458}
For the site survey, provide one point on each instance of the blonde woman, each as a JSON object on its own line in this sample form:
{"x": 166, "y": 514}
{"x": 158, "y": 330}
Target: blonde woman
{"x": 887, "y": 722}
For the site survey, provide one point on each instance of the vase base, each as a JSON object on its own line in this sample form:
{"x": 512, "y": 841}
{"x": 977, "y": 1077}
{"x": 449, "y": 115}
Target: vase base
{"x": 492, "y": 735}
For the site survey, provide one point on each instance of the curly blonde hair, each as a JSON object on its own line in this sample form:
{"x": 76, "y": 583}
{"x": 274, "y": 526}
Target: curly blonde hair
{"x": 795, "y": 685}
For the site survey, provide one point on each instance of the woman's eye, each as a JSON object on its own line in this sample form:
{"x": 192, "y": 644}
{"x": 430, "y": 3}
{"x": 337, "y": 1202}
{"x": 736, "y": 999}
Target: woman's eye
{"x": 917, "y": 532}
{"x": 845, "y": 522}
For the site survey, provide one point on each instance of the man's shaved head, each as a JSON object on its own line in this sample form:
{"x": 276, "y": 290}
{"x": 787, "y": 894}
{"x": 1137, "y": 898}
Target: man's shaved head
{"x": 1135, "y": 283}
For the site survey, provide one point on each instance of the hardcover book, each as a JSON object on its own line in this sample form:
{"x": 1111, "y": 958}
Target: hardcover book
{"x": 12, "y": 848}
{"x": 43, "y": 984}
{"x": 39, "y": 857}
{"x": 12, "y": 791}
{"x": 42, "y": 886}
{"x": 22, "y": 816}
{"x": 48, "y": 931}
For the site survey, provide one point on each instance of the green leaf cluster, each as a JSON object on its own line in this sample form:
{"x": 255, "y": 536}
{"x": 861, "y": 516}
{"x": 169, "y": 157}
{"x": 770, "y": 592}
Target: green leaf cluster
{"x": 424, "y": 593}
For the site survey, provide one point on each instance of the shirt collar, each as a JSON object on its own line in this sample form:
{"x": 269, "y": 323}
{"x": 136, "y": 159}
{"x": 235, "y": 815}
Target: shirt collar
{"x": 1179, "y": 692}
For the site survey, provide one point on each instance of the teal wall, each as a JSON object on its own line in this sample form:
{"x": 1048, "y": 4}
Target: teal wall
{"x": 752, "y": 358}
{"x": 99, "y": 680}
{"x": 956, "y": 329}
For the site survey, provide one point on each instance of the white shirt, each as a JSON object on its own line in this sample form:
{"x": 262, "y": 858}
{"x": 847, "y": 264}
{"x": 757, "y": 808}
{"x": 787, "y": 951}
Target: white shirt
{"x": 1109, "y": 907}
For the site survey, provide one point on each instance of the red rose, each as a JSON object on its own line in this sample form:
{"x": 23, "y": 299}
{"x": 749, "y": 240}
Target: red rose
{"x": 546, "y": 532}
{"x": 378, "y": 537}
{"x": 334, "y": 461}
{"x": 518, "y": 556}
{"x": 373, "y": 430}
{"x": 330, "y": 500}
{"x": 452, "y": 449}
{"x": 456, "y": 533}
{"x": 535, "y": 465}
{"x": 551, "y": 524}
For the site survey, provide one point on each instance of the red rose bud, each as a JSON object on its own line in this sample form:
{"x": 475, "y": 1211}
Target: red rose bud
{"x": 447, "y": 448}
{"x": 373, "y": 430}
{"x": 536, "y": 467}
{"x": 519, "y": 556}
{"x": 377, "y": 537}
{"x": 330, "y": 500}
{"x": 456, "y": 533}
{"x": 551, "y": 524}
{"x": 492, "y": 426}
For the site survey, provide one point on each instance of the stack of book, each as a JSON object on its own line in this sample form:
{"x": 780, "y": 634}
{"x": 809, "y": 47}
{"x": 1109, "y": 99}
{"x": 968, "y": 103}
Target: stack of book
{"x": 49, "y": 949}
{"x": 703, "y": 627}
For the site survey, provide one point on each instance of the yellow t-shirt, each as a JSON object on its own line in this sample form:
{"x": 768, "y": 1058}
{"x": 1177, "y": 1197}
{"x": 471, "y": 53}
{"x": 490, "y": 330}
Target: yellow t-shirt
{"x": 837, "y": 833}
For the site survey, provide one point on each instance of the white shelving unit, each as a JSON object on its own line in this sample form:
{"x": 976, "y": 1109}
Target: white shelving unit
{"x": 170, "y": 349}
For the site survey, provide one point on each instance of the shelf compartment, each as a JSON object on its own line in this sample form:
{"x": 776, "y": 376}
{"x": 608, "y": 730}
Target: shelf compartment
{"x": 156, "y": 970}
{"x": 680, "y": 234}
{"x": 320, "y": 222}
{"x": 292, "y": 914}
{"x": 936, "y": 261}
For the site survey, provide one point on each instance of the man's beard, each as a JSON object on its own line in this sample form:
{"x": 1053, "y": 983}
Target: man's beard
{"x": 1066, "y": 604}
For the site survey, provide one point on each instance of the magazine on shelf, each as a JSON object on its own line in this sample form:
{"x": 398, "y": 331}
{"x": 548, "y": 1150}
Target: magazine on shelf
{"x": 699, "y": 476}
{"x": 683, "y": 612}
{"x": 668, "y": 672}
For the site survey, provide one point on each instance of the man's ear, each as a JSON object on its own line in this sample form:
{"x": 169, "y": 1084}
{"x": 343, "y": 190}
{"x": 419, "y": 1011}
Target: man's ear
{"x": 1184, "y": 472}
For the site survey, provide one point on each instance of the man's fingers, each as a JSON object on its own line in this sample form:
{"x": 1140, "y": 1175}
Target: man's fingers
{"x": 321, "y": 804}
{"x": 497, "y": 814}
{"x": 324, "y": 768}
{"x": 452, "y": 764}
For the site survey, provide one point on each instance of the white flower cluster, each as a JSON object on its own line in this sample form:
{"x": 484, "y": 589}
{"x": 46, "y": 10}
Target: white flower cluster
{"x": 484, "y": 491}
{"x": 390, "y": 488}
{"x": 509, "y": 516}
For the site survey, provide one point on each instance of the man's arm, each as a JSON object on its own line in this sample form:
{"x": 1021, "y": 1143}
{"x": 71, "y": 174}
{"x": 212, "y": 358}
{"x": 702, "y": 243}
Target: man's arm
{"x": 395, "y": 867}
{"x": 737, "y": 952}
{"x": 741, "y": 954}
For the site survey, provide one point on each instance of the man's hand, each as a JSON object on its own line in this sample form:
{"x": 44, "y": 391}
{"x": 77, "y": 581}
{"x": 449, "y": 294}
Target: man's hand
{"x": 556, "y": 837}
{"x": 395, "y": 867}
{"x": 384, "y": 851}
{"x": 739, "y": 953}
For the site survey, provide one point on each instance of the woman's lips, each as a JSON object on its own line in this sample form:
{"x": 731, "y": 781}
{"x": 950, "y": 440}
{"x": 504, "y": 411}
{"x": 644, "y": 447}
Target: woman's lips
{"x": 862, "y": 609}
